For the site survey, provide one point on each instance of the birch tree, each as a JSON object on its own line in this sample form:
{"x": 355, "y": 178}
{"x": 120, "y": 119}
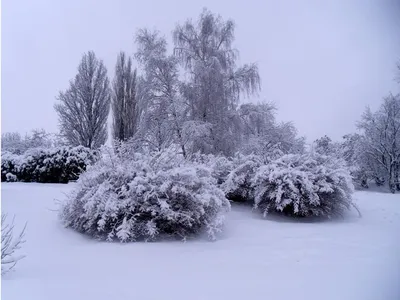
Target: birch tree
{"x": 215, "y": 83}
{"x": 164, "y": 115}
{"x": 83, "y": 108}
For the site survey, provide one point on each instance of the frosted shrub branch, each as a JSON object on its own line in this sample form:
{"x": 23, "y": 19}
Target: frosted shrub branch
{"x": 10, "y": 244}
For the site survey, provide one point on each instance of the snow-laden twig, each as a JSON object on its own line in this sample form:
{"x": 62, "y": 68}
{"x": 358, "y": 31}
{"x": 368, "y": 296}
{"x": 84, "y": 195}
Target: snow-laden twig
{"x": 357, "y": 209}
{"x": 9, "y": 245}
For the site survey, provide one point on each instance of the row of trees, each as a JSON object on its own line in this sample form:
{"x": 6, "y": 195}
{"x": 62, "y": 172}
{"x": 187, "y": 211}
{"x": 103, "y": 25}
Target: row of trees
{"x": 188, "y": 98}
{"x": 14, "y": 143}
{"x": 372, "y": 154}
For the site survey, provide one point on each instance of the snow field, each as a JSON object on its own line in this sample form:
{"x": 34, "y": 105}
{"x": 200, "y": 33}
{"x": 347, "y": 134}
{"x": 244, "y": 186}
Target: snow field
{"x": 255, "y": 258}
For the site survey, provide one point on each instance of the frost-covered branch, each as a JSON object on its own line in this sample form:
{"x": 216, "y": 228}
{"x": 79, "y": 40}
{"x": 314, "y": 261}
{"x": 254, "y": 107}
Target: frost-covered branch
{"x": 10, "y": 244}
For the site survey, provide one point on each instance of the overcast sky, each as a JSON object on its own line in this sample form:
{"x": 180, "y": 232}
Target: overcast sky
{"x": 321, "y": 62}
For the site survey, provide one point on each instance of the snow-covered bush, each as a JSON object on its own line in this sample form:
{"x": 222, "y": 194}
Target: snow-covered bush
{"x": 238, "y": 184}
{"x": 220, "y": 166}
{"x": 57, "y": 165}
{"x": 11, "y": 177}
{"x": 166, "y": 158}
{"x": 9, "y": 165}
{"x": 304, "y": 185}
{"x": 10, "y": 244}
{"x": 135, "y": 198}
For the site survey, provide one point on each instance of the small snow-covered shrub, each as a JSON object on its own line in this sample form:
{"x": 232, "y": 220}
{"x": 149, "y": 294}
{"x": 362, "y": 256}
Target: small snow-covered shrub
{"x": 238, "y": 184}
{"x": 360, "y": 177}
{"x": 10, "y": 244}
{"x": 304, "y": 185}
{"x": 9, "y": 164}
{"x": 135, "y": 198}
{"x": 11, "y": 177}
{"x": 56, "y": 165}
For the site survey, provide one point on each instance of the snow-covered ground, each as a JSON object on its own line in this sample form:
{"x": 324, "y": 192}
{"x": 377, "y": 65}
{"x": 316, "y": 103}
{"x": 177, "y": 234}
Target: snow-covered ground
{"x": 254, "y": 259}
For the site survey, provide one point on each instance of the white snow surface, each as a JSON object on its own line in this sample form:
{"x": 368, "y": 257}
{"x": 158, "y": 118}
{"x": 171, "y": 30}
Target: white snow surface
{"x": 255, "y": 258}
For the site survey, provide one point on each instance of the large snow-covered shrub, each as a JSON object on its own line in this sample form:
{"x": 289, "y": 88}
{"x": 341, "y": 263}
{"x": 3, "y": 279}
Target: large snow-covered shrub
{"x": 304, "y": 185}
{"x": 136, "y": 198}
{"x": 56, "y": 165}
{"x": 238, "y": 183}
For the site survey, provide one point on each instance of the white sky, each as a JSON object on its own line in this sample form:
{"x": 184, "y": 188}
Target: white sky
{"x": 321, "y": 61}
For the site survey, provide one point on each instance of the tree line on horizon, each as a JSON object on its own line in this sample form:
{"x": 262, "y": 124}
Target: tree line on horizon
{"x": 192, "y": 99}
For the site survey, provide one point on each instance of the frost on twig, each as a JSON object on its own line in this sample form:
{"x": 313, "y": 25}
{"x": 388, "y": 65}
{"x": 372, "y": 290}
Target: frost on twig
{"x": 10, "y": 244}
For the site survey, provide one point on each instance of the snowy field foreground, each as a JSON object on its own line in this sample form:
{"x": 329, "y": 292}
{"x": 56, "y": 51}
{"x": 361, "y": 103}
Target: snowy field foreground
{"x": 254, "y": 259}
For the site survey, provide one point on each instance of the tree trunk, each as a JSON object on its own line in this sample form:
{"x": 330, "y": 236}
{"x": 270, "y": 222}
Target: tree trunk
{"x": 392, "y": 179}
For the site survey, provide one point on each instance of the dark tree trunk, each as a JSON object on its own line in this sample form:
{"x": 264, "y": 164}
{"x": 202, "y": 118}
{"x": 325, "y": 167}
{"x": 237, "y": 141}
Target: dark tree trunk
{"x": 397, "y": 176}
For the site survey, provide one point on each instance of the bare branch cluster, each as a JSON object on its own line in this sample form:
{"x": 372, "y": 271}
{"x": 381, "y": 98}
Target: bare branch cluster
{"x": 10, "y": 244}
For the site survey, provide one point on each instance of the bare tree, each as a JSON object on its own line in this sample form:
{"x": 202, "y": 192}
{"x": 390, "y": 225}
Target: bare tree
{"x": 12, "y": 142}
{"x": 38, "y": 138}
{"x": 215, "y": 83}
{"x": 381, "y": 140}
{"x": 9, "y": 244}
{"x": 84, "y": 106}
{"x": 124, "y": 104}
